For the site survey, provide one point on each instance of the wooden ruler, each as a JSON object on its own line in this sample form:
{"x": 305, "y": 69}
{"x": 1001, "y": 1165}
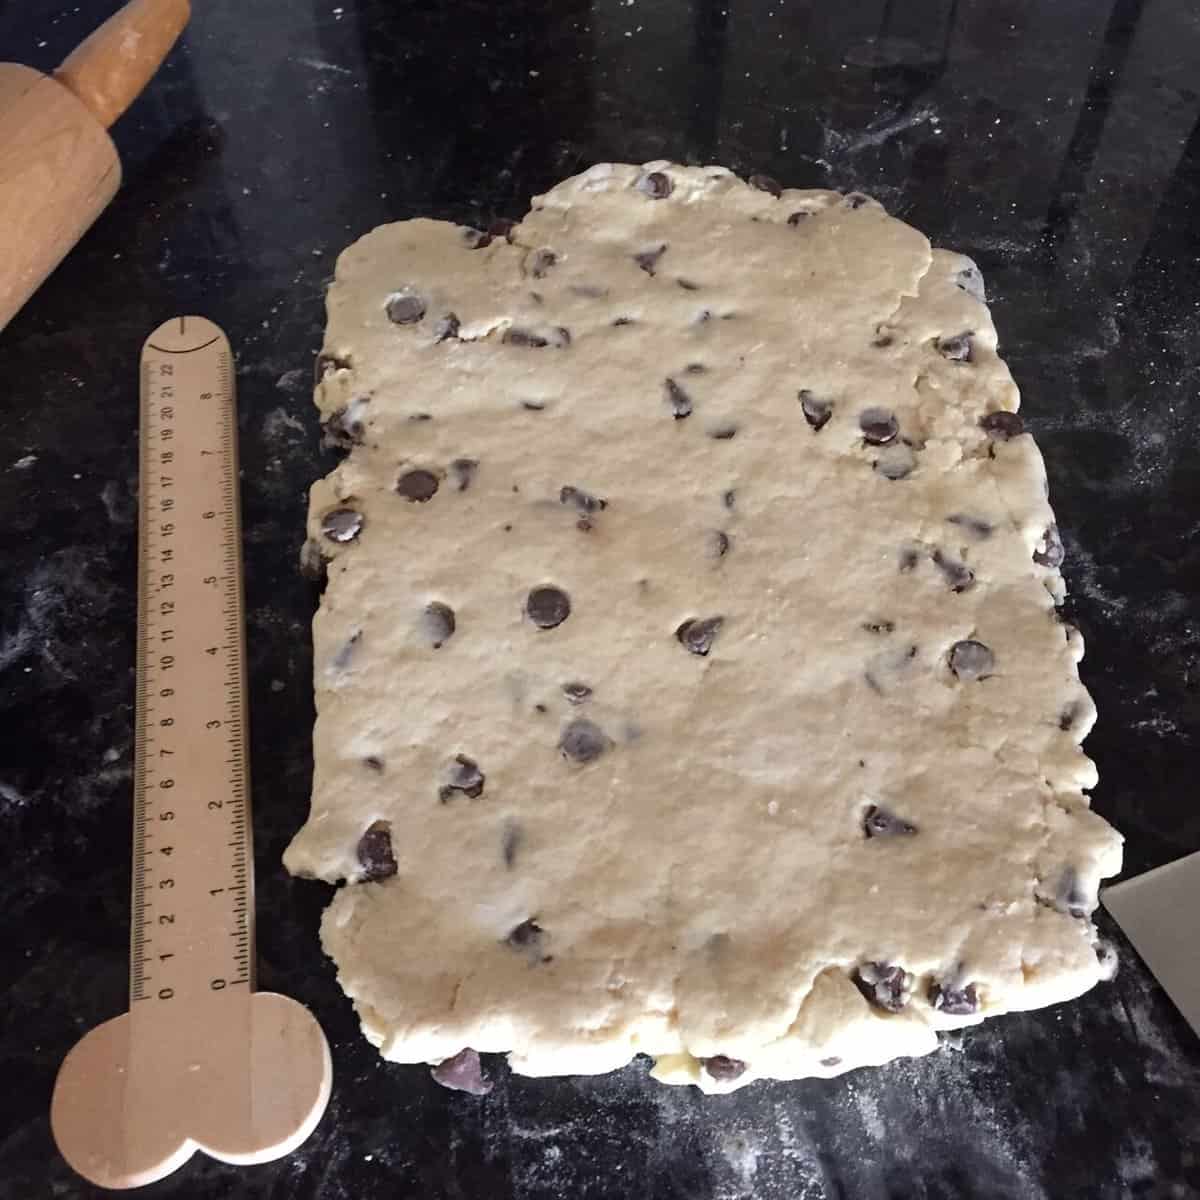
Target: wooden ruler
{"x": 192, "y": 886}
{"x": 200, "y": 1061}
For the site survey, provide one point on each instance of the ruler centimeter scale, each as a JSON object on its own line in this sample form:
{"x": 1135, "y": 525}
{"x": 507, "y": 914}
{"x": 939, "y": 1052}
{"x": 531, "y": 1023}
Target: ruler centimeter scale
{"x": 200, "y": 1061}
{"x": 191, "y": 845}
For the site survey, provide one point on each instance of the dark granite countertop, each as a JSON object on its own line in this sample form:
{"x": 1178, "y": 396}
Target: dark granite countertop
{"x": 1055, "y": 141}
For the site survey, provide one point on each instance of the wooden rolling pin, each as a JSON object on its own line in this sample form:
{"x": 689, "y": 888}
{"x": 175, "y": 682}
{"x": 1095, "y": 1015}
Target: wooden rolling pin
{"x": 58, "y": 166}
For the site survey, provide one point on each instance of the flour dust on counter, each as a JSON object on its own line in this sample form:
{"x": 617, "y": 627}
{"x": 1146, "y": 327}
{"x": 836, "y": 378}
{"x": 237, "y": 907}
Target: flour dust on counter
{"x": 689, "y": 676}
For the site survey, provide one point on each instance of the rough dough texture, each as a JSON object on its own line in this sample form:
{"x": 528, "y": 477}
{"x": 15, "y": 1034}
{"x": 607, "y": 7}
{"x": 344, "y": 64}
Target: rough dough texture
{"x": 859, "y": 817}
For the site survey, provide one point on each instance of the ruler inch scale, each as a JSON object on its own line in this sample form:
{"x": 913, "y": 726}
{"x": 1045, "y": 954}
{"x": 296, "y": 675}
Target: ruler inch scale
{"x": 200, "y": 1061}
{"x": 189, "y": 531}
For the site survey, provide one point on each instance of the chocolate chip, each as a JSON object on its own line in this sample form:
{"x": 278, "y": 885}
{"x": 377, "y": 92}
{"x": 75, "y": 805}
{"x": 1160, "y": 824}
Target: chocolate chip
{"x": 976, "y": 526}
{"x": 438, "y": 623}
{"x": 959, "y": 348}
{"x": 1069, "y": 715}
{"x": 464, "y": 776}
{"x": 971, "y": 660}
{"x": 656, "y": 185}
{"x": 718, "y": 544}
{"x": 447, "y": 327}
{"x": 678, "y": 399}
{"x": 313, "y": 563}
{"x": 375, "y": 852}
{"x": 576, "y": 693}
{"x": 343, "y": 430}
{"x": 729, "y": 499}
{"x": 1002, "y": 425}
{"x": 648, "y": 259}
{"x": 856, "y": 200}
{"x": 523, "y": 337}
{"x": 723, "y": 433}
{"x": 583, "y": 741}
{"x": 765, "y": 183}
{"x": 723, "y": 1068}
{"x": 1069, "y": 895}
{"x": 797, "y": 217}
{"x": 420, "y": 416}
{"x": 547, "y": 606}
{"x": 418, "y": 485}
{"x": 374, "y": 762}
{"x": 695, "y": 368}
{"x": 475, "y": 239}
{"x": 623, "y": 321}
{"x": 464, "y": 470}
{"x": 816, "y": 412}
{"x": 510, "y": 843}
{"x": 885, "y": 985}
{"x": 462, "y": 1073}
{"x": 527, "y": 936}
{"x": 879, "y": 626}
{"x": 540, "y": 262}
{"x": 326, "y": 364}
{"x": 697, "y": 636}
{"x": 953, "y": 1001}
{"x": 1052, "y": 553}
{"x": 958, "y": 575}
{"x": 404, "y": 308}
{"x": 581, "y": 501}
{"x": 688, "y": 285}
{"x": 533, "y": 405}
{"x": 882, "y": 341}
{"x": 342, "y": 524}
{"x": 970, "y": 280}
{"x": 908, "y": 559}
{"x": 1106, "y": 957}
{"x": 879, "y": 426}
{"x": 503, "y": 227}
{"x": 467, "y": 777}
{"x": 341, "y": 660}
{"x": 831, "y": 1061}
{"x": 882, "y": 822}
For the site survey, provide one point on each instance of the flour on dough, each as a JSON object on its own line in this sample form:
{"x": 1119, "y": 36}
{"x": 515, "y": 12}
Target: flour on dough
{"x": 689, "y": 679}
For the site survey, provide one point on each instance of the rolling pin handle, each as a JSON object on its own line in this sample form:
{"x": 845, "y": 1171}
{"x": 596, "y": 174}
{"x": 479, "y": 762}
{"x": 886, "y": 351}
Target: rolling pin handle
{"x": 110, "y": 68}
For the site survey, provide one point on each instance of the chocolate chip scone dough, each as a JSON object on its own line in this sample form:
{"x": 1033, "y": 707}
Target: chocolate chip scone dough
{"x": 689, "y": 680}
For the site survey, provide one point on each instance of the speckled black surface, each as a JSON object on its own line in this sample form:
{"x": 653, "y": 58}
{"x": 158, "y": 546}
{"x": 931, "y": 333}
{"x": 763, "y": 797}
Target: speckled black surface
{"x": 1056, "y": 141}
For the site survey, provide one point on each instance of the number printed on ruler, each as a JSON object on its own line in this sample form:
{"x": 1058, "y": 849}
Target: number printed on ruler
{"x": 192, "y": 858}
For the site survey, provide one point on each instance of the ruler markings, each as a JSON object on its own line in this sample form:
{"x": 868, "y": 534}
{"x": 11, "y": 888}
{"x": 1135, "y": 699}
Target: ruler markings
{"x": 190, "y": 674}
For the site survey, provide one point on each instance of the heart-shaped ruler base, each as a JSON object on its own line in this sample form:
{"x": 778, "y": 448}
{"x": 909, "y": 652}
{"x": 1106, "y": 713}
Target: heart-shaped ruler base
{"x": 138, "y": 1095}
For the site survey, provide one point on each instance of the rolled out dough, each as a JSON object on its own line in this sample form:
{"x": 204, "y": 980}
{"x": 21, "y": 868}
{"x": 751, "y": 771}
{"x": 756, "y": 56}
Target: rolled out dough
{"x": 689, "y": 679}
